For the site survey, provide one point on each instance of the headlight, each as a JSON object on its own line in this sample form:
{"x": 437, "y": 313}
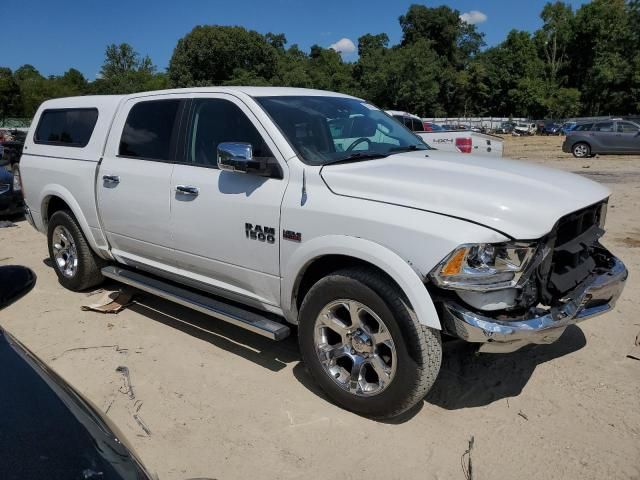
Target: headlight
{"x": 486, "y": 266}
{"x": 602, "y": 215}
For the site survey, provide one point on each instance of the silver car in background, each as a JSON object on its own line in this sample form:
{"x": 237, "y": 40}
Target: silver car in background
{"x": 617, "y": 137}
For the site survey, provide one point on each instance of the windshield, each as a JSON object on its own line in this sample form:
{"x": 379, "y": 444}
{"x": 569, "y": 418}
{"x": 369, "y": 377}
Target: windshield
{"x": 326, "y": 130}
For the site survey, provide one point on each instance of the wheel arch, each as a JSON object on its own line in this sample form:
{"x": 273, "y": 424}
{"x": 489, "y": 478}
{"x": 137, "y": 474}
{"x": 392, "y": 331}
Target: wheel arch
{"x": 55, "y": 198}
{"x": 322, "y": 255}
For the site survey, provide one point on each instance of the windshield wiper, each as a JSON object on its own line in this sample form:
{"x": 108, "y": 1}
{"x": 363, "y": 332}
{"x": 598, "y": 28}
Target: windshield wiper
{"x": 358, "y": 156}
{"x": 408, "y": 148}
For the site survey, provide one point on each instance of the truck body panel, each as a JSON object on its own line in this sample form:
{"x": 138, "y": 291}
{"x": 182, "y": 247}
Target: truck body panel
{"x": 251, "y": 238}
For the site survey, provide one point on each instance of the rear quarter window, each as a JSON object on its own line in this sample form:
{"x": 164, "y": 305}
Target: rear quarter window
{"x": 69, "y": 127}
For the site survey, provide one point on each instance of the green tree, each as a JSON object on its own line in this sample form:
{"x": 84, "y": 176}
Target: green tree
{"x": 371, "y": 44}
{"x": 292, "y": 69}
{"x": 210, "y": 54}
{"x": 10, "y": 102}
{"x": 276, "y": 40}
{"x": 125, "y": 71}
{"x": 603, "y": 53}
{"x": 34, "y": 88}
{"x": 513, "y": 67}
{"x": 411, "y": 79}
{"x": 554, "y": 38}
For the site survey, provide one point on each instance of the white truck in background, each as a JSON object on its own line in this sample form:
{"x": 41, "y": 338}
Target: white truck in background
{"x": 461, "y": 141}
{"x": 266, "y": 207}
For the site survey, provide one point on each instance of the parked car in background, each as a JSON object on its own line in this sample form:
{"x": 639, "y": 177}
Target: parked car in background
{"x": 48, "y": 429}
{"x": 551, "y": 129}
{"x": 524, "y": 128}
{"x": 11, "y": 144}
{"x": 616, "y": 137}
{"x": 505, "y": 128}
{"x": 459, "y": 140}
{"x": 11, "y": 202}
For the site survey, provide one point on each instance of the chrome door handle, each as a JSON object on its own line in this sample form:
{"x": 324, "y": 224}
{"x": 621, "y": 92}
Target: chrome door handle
{"x": 111, "y": 179}
{"x": 188, "y": 190}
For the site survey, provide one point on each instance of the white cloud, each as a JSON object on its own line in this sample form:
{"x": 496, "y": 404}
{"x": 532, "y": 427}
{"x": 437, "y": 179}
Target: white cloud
{"x": 344, "y": 46}
{"x": 473, "y": 17}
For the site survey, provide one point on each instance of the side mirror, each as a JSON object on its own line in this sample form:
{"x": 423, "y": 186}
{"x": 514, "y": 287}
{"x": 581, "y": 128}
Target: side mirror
{"x": 238, "y": 157}
{"x": 15, "y": 282}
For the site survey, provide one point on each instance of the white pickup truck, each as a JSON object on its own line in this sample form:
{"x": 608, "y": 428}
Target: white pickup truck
{"x": 461, "y": 141}
{"x": 266, "y": 207}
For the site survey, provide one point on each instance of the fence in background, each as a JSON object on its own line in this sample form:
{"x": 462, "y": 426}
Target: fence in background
{"x": 480, "y": 122}
{"x": 15, "y": 122}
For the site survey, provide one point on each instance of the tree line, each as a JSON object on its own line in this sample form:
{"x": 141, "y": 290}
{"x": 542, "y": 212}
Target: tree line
{"x": 582, "y": 62}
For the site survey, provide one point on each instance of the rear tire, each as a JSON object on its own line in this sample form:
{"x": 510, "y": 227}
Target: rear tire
{"x": 77, "y": 266}
{"x": 364, "y": 346}
{"x": 581, "y": 150}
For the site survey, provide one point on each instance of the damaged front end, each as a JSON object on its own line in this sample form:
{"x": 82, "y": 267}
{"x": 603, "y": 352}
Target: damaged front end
{"x": 529, "y": 292}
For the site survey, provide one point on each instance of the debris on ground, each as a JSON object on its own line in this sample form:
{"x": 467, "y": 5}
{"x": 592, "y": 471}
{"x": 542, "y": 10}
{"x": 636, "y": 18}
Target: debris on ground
{"x": 6, "y": 224}
{"x": 115, "y": 347}
{"x": 521, "y": 413}
{"x": 467, "y": 466}
{"x": 635, "y": 353}
{"x": 95, "y": 292}
{"x": 111, "y": 301}
{"x": 128, "y": 386}
{"x": 138, "y": 419}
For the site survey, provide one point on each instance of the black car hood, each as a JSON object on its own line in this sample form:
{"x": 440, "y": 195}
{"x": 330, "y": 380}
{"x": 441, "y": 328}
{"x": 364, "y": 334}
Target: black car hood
{"x": 47, "y": 430}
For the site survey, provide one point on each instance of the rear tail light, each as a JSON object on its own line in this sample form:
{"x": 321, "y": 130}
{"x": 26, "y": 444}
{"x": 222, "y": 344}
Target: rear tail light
{"x": 465, "y": 145}
{"x": 17, "y": 179}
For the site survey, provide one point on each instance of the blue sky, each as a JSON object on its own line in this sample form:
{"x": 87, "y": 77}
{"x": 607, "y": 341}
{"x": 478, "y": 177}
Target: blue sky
{"x": 54, "y": 36}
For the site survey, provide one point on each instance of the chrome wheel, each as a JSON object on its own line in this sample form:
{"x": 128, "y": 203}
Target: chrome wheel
{"x": 355, "y": 347}
{"x": 65, "y": 253}
{"x": 581, "y": 150}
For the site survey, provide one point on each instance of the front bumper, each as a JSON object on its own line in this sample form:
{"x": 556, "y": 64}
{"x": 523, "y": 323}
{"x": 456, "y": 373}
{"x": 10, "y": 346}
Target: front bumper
{"x": 595, "y": 296}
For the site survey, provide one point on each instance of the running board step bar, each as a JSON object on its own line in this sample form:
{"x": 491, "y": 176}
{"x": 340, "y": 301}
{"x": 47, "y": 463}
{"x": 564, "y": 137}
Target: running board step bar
{"x": 235, "y": 315}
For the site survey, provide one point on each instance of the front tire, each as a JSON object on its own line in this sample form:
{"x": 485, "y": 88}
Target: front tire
{"x": 581, "y": 150}
{"x": 77, "y": 266}
{"x": 364, "y": 346}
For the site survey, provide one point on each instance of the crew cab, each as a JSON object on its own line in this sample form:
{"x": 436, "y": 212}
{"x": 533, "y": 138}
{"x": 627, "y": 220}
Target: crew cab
{"x": 451, "y": 139}
{"x": 269, "y": 207}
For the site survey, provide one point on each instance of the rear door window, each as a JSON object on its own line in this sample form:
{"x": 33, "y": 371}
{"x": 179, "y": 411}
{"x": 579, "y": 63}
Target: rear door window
{"x": 69, "y": 127}
{"x": 150, "y": 131}
{"x": 603, "y": 127}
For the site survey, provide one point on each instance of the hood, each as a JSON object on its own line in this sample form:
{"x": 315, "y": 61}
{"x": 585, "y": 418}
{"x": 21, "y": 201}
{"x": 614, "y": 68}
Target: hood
{"x": 520, "y": 199}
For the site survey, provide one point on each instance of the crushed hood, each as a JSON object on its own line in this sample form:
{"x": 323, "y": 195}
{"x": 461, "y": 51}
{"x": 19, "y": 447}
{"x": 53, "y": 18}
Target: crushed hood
{"x": 520, "y": 199}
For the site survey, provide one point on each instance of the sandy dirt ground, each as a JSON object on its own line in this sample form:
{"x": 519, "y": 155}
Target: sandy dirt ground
{"x": 223, "y": 403}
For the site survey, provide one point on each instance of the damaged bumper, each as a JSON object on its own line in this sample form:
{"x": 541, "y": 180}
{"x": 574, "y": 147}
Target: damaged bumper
{"x": 595, "y": 296}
